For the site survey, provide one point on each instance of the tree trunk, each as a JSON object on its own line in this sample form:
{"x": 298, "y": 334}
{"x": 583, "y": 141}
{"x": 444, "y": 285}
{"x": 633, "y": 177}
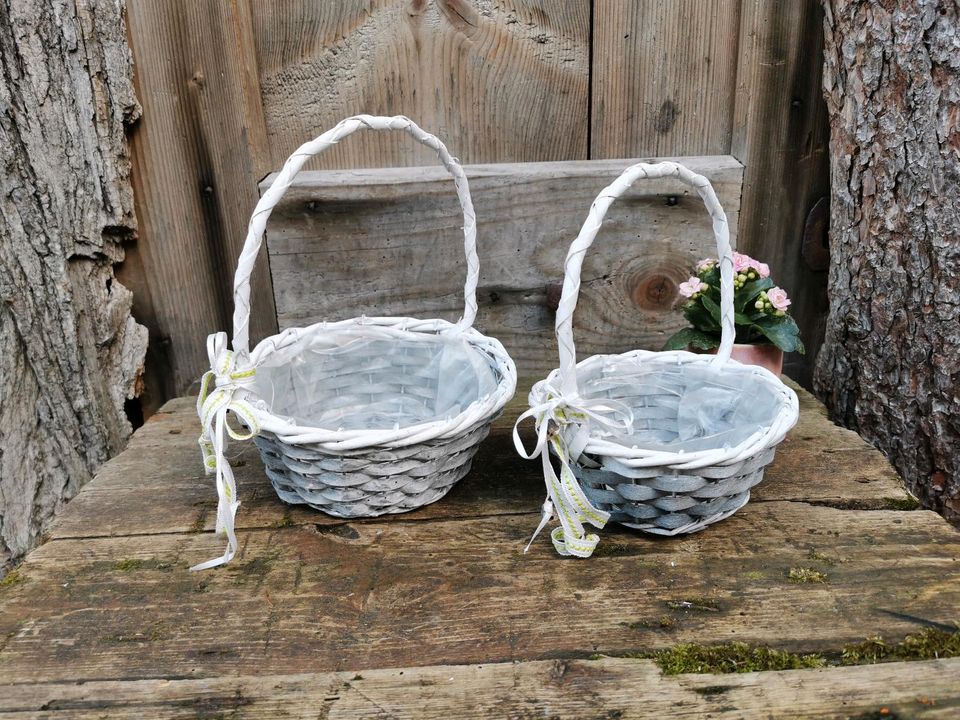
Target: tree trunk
{"x": 70, "y": 353}
{"x": 890, "y": 366}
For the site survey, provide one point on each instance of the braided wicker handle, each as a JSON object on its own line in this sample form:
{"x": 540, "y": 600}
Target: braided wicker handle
{"x": 258, "y": 221}
{"x": 572, "y": 266}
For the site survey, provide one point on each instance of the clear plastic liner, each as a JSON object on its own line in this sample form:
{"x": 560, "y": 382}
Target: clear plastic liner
{"x": 364, "y": 378}
{"x": 683, "y": 407}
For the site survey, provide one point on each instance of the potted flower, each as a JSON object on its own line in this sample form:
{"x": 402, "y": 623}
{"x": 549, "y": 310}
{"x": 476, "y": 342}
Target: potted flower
{"x": 765, "y": 329}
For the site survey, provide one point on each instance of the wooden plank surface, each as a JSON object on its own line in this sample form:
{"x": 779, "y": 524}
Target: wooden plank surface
{"x": 450, "y": 583}
{"x": 388, "y": 242}
{"x": 198, "y": 153}
{"x": 106, "y": 611}
{"x": 605, "y": 688}
{"x": 780, "y": 135}
{"x": 818, "y": 463}
{"x": 400, "y": 593}
{"x": 499, "y": 82}
{"x": 663, "y": 77}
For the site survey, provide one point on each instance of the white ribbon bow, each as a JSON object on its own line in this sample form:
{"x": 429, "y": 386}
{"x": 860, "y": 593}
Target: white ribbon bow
{"x": 564, "y": 493}
{"x": 228, "y": 394}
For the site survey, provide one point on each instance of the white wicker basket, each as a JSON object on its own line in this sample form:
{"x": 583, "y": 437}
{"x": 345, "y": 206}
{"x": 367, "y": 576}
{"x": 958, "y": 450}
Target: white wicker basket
{"x": 666, "y": 442}
{"x": 358, "y": 417}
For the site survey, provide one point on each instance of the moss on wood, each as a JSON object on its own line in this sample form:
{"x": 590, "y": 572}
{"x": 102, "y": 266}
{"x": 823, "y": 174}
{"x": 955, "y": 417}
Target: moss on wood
{"x": 803, "y": 575}
{"x": 928, "y": 644}
{"x": 14, "y": 577}
{"x": 730, "y": 658}
{"x": 128, "y": 565}
{"x": 907, "y": 503}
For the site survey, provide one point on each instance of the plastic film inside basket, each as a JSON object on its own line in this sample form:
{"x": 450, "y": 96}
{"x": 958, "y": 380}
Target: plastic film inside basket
{"x": 683, "y": 407}
{"x": 359, "y": 378}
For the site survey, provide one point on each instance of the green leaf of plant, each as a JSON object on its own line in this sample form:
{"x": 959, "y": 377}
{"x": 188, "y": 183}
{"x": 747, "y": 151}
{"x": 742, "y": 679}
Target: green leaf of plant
{"x": 699, "y": 317}
{"x": 747, "y": 295}
{"x": 691, "y": 337}
{"x": 712, "y": 308}
{"x": 782, "y": 332}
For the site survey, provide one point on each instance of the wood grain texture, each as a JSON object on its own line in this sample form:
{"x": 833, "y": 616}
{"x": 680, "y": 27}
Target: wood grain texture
{"x": 119, "y": 626}
{"x": 412, "y": 593}
{"x": 890, "y": 364}
{"x": 388, "y": 242}
{"x": 817, "y": 463}
{"x": 594, "y": 689}
{"x": 780, "y": 135}
{"x": 497, "y": 81}
{"x": 198, "y": 152}
{"x": 663, "y": 77}
{"x": 71, "y": 354}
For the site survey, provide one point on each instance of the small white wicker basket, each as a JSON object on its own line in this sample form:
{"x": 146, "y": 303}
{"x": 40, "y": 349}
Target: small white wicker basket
{"x": 665, "y": 442}
{"x": 359, "y": 417}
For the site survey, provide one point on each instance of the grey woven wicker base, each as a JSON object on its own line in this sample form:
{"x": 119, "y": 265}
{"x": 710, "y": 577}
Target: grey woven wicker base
{"x": 371, "y": 481}
{"x": 667, "y": 502}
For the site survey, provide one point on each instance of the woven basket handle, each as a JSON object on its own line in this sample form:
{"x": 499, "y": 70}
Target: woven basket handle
{"x": 258, "y": 221}
{"x": 574, "y": 261}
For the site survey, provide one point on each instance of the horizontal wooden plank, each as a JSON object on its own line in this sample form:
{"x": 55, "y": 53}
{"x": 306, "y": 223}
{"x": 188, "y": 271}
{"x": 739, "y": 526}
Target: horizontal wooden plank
{"x": 388, "y": 242}
{"x": 402, "y": 593}
{"x": 606, "y": 688}
{"x": 818, "y": 462}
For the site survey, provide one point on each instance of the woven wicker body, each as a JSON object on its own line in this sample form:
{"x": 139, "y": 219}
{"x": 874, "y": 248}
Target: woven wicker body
{"x": 665, "y": 442}
{"x": 358, "y": 417}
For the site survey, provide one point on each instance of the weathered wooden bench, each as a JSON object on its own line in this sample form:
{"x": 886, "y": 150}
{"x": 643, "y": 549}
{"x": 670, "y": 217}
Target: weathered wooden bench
{"x": 438, "y": 613}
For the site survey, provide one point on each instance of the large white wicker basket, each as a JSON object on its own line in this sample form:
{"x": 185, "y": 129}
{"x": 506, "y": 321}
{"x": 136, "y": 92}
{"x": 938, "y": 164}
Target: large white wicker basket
{"x": 631, "y": 430}
{"x": 395, "y": 407}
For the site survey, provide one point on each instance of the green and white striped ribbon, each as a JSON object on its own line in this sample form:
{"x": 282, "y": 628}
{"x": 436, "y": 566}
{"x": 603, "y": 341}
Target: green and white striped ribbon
{"x": 222, "y": 391}
{"x": 556, "y": 420}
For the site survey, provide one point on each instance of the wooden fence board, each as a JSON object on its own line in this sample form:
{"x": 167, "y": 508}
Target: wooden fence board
{"x": 663, "y": 77}
{"x": 198, "y": 153}
{"x": 376, "y": 242}
{"x": 498, "y": 82}
{"x": 780, "y": 135}
{"x": 604, "y": 688}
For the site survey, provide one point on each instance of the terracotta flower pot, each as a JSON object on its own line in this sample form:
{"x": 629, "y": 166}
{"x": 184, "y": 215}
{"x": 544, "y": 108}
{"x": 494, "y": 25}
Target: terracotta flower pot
{"x": 765, "y": 356}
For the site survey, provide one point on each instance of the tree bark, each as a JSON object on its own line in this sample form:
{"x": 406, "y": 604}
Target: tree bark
{"x": 890, "y": 366}
{"x": 70, "y": 353}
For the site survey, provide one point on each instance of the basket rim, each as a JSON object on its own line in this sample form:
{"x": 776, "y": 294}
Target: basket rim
{"x": 765, "y": 437}
{"x": 480, "y": 411}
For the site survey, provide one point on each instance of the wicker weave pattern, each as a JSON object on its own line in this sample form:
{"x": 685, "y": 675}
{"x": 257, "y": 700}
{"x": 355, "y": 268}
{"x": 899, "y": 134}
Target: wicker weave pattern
{"x": 358, "y": 460}
{"x": 367, "y": 484}
{"x": 659, "y": 475}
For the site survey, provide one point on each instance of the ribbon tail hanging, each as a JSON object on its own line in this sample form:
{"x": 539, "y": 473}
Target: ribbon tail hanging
{"x": 565, "y": 496}
{"x": 213, "y": 405}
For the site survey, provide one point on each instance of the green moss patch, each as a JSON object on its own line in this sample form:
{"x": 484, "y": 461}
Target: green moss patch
{"x": 14, "y": 577}
{"x": 928, "y": 644}
{"x": 907, "y": 503}
{"x": 128, "y": 565}
{"x": 730, "y": 658}
{"x": 802, "y": 575}
{"x": 284, "y": 522}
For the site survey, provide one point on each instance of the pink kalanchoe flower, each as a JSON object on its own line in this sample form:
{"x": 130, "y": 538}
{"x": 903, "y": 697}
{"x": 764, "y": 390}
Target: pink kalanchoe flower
{"x": 763, "y": 270}
{"x": 706, "y": 264}
{"x": 692, "y": 286}
{"x": 778, "y": 298}
{"x": 742, "y": 262}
